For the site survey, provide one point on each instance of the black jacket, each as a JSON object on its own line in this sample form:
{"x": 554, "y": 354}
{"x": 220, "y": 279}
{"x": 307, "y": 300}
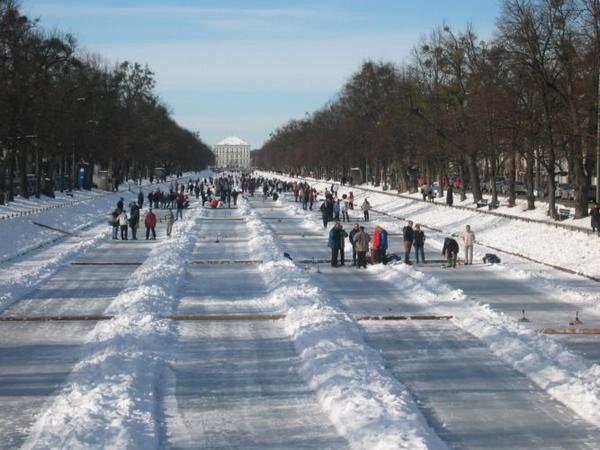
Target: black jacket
{"x": 450, "y": 246}
{"x": 409, "y": 233}
{"x": 419, "y": 238}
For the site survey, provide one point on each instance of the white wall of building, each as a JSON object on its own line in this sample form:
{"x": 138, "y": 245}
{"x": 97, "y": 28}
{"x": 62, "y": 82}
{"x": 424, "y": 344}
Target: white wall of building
{"x": 232, "y": 152}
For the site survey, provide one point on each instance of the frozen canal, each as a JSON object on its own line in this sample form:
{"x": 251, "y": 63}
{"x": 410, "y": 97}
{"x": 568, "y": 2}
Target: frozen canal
{"x": 233, "y": 374}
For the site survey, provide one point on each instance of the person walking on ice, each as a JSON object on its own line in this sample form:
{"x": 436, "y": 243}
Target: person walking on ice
{"x": 366, "y": 206}
{"x": 419, "y": 243}
{"x": 362, "y": 247}
{"x": 123, "y": 223}
{"x": 468, "y": 241}
{"x": 336, "y": 243}
{"x": 150, "y": 223}
{"x": 355, "y": 230}
{"x": 409, "y": 237}
{"x": 169, "y": 219}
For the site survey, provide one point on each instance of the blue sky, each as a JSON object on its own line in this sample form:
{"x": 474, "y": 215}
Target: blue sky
{"x": 245, "y": 67}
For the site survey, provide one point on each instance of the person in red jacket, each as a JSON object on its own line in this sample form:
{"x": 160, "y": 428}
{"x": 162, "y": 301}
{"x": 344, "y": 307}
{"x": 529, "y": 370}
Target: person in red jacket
{"x": 150, "y": 222}
{"x": 376, "y": 246}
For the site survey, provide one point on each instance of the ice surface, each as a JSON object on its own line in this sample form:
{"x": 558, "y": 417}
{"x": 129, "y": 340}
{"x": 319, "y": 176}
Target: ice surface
{"x": 472, "y": 399}
{"x": 237, "y": 386}
{"x": 35, "y": 359}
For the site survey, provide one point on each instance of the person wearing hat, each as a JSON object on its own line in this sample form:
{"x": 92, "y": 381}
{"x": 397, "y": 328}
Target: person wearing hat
{"x": 361, "y": 240}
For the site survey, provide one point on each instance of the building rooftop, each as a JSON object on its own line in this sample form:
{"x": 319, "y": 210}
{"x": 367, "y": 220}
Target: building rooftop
{"x": 232, "y": 140}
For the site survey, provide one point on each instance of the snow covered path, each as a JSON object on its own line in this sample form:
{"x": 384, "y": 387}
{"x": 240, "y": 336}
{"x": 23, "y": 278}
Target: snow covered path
{"x": 472, "y": 399}
{"x": 291, "y": 370}
{"x": 236, "y": 383}
{"x": 237, "y": 386}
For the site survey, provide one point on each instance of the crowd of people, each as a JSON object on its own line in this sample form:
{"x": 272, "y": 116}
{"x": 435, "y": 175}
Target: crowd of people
{"x": 223, "y": 191}
{"x": 366, "y": 249}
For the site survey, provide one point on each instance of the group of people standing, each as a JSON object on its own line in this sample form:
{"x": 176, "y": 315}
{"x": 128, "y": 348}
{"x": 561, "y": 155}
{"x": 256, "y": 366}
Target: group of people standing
{"x": 121, "y": 222}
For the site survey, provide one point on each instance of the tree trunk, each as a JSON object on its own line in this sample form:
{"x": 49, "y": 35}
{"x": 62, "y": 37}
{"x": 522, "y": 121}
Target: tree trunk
{"x": 512, "y": 178}
{"x": 493, "y": 174}
{"x": 23, "y": 188}
{"x": 581, "y": 183}
{"x": 472, "y": 166}
{"x": 552, "y": 186}
{"x": 531, "y": 179}
{"x": 11, "y": 175}
{"x": 463, "y": 184}
{"x": 2, "y": 182}
{"x": 38, "y": 171}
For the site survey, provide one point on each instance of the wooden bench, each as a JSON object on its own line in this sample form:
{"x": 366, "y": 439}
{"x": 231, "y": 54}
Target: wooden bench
{"x": 482, "y": 203}
{"x": 494, "y": 205}
{"x": 563, "y": 213}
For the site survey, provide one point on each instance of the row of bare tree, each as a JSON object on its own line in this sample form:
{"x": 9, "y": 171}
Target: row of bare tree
{"x": 524, "y": 105}
{"x": 61, "y": 111}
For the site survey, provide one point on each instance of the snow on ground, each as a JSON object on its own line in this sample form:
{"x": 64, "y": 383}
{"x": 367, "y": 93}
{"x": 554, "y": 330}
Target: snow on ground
{"x": 369, "y": 407}
{"x": 22, "y": 271}
{"x": 518, "y": 211}
{"x": 109, "y": 398}
{"x": 21, "y": 206}
{"x": 566, "y": 376}
{"x": 544, "y": 243}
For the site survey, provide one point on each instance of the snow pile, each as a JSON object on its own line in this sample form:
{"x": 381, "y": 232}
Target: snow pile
{"x": 560, "y": 247}
{"x": 21, "y": 235}
{"x": 21, "y": 280}
{"x": 109, "y": 399}
{"x": 367, "y": 405}
{"x": 567, "y": 377}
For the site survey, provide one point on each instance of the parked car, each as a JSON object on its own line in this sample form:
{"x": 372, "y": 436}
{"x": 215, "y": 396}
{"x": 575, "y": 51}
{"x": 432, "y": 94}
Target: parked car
{"x": 591, "y": 194}
{"x": 520, "y": 188}
{"x": 564, "y": 191}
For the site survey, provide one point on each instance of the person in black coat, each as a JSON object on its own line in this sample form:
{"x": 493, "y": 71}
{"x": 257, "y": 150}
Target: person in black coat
{"x": 595, "y": 218}
{"x": 409, "y": 237}
{"x": 449, "y": 196}
{"x": 353, "y": 232}
{"x": 134, "y": 219}
{"x": 450, "y": 250}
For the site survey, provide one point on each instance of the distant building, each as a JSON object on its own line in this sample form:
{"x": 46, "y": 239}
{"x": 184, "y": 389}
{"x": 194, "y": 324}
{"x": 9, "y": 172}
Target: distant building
{"x": 233, "y": 153}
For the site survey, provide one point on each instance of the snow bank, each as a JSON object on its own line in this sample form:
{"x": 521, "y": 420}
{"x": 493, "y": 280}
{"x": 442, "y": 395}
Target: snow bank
{"x": 545, "y": 243}
{"x": 567, "y": 377}
{"x": 367, "y": 405}
{"x": 21, "y": 280}
{"x": 109, "y": 399}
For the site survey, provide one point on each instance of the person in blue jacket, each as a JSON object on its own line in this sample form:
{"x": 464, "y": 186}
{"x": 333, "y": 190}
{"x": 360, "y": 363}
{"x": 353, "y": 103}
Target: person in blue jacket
{"x": 336, "y": 243}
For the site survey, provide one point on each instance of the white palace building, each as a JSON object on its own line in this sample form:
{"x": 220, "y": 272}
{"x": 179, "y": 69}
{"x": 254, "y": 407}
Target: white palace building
{"x": 232, "y": 152}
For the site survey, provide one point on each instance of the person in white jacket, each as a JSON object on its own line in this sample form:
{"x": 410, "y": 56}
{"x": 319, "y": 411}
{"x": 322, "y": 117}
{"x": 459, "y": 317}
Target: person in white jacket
{"x": 468, "y": 241}
{"x": 123, "y": 222}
